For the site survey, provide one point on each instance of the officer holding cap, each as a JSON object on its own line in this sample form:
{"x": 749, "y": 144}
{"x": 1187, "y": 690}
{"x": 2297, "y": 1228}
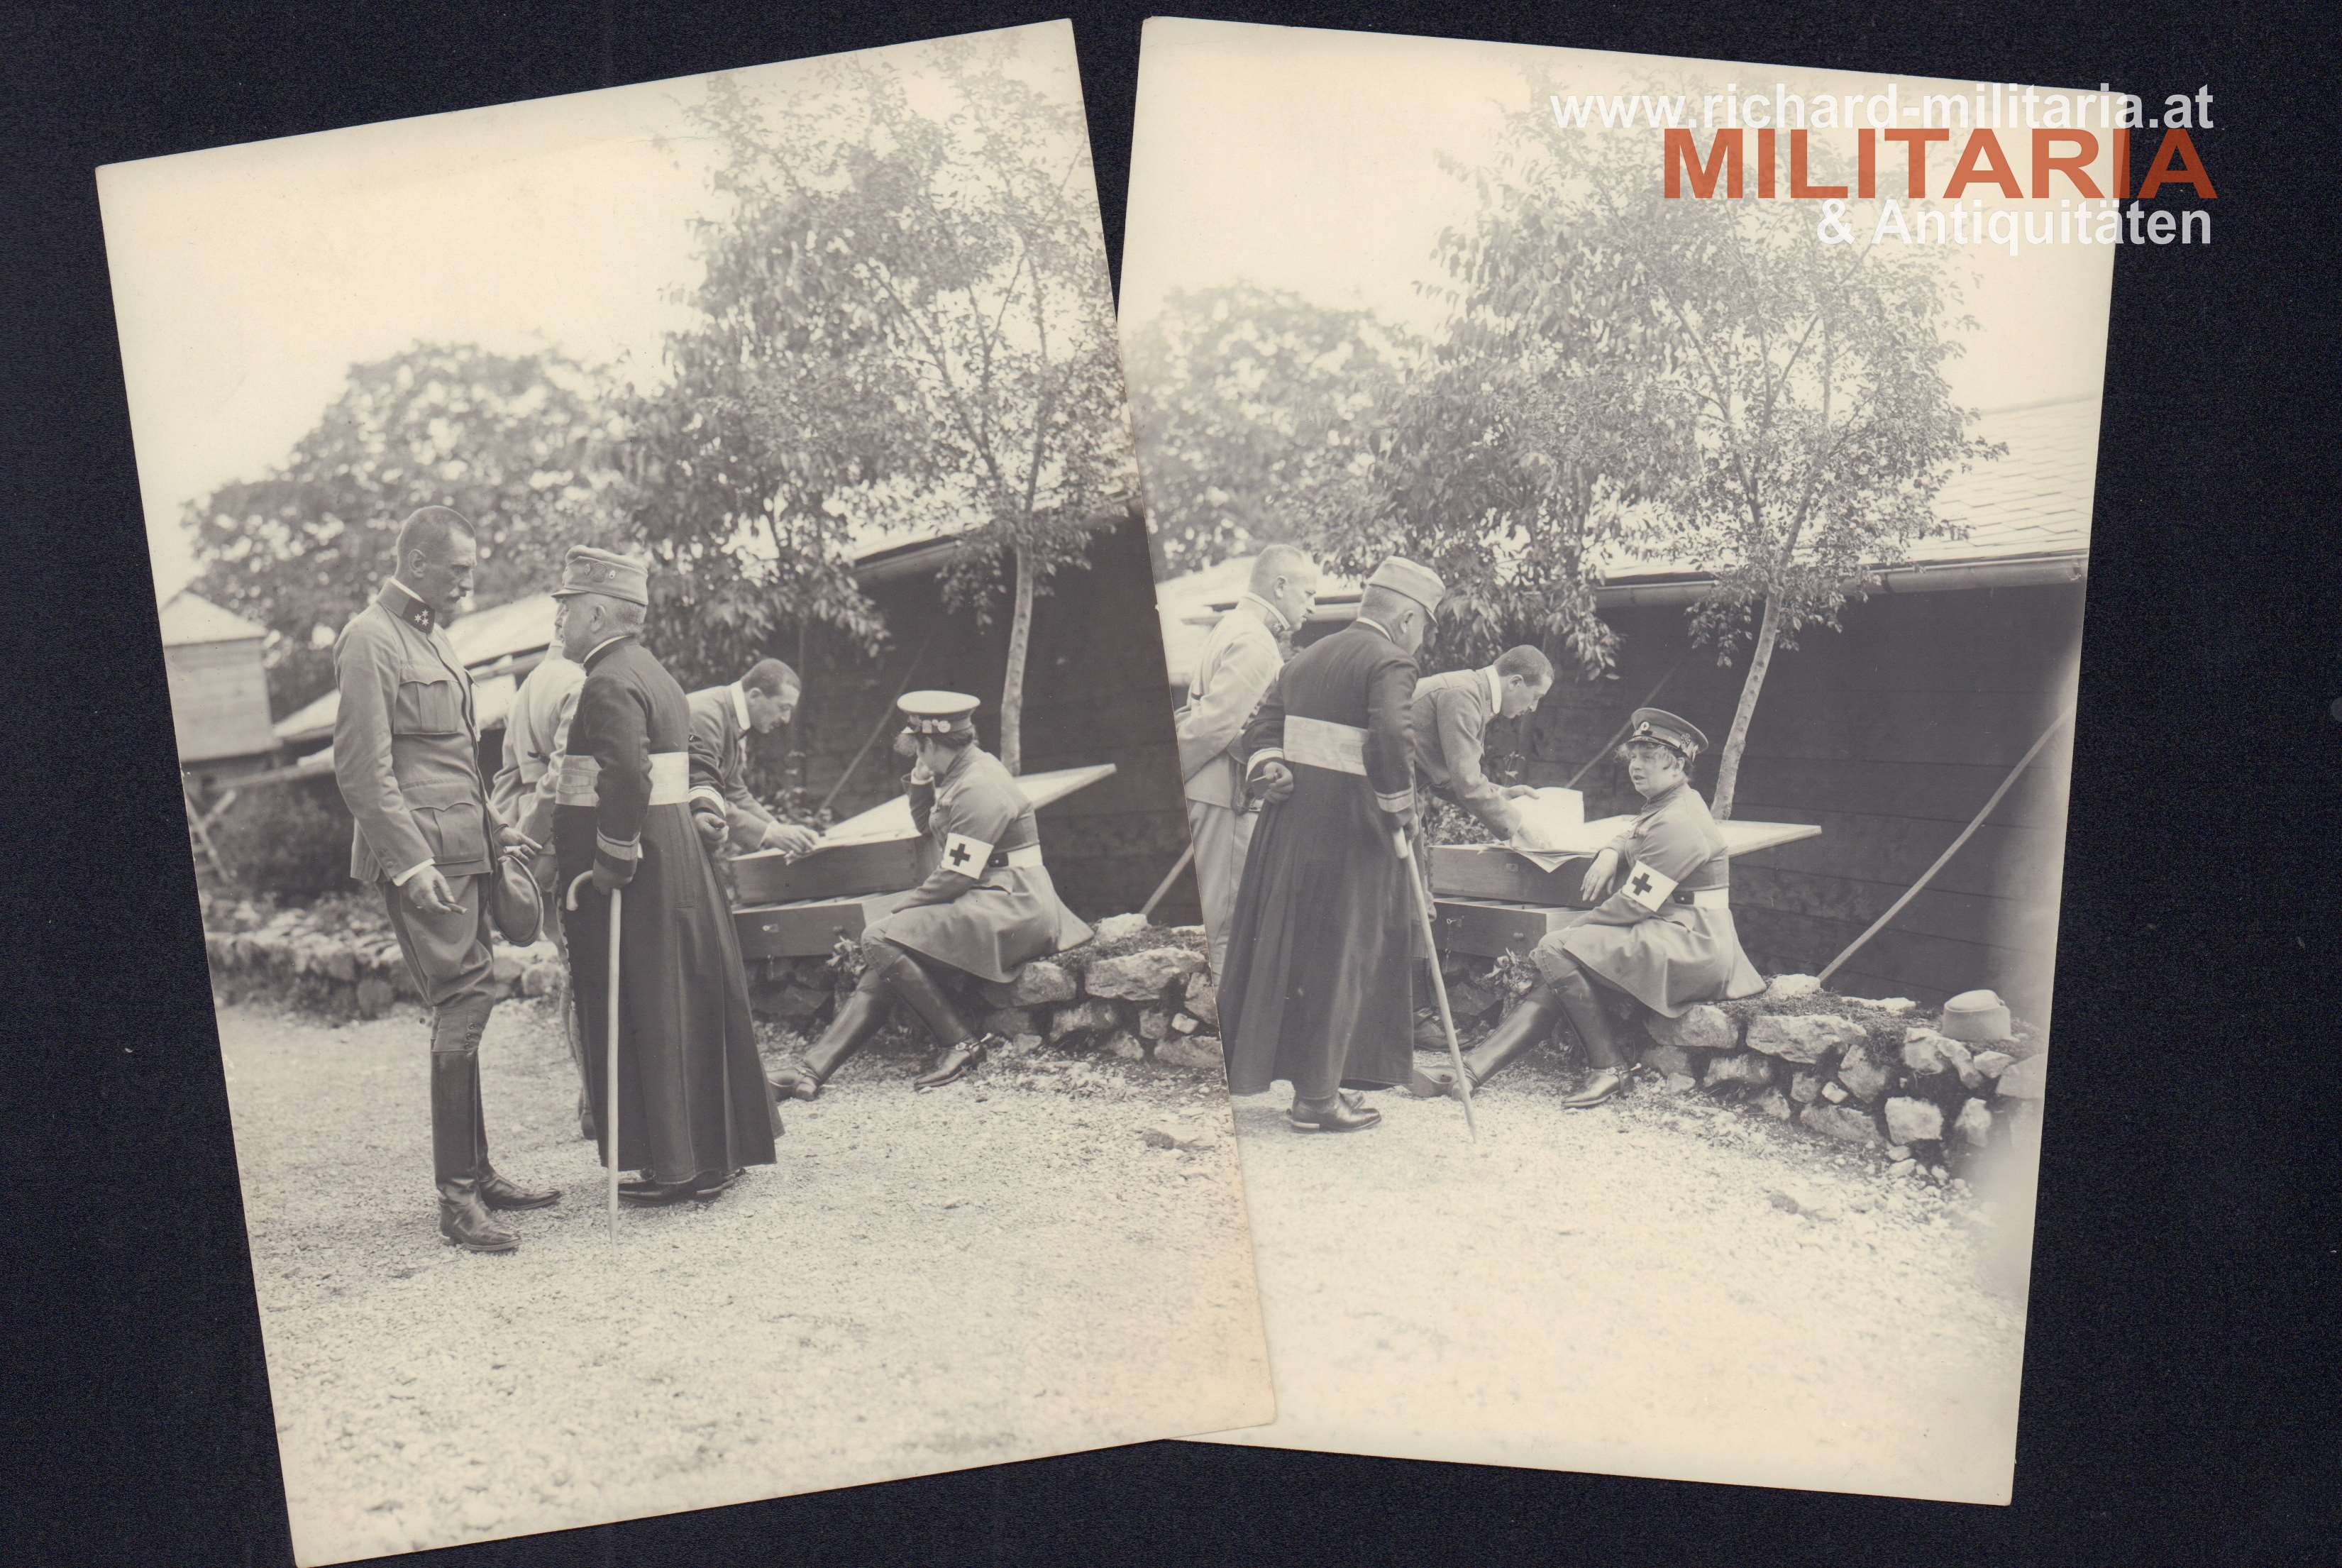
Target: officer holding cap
{"x": 407, "y": 759}
{"x": 987, "y": 906}
{"x": 1663, "y": 934}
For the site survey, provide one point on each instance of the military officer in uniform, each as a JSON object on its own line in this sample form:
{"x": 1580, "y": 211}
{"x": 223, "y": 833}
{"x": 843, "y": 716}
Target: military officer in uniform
{"x": 692, "y": 1110}
{"x": 1450, "y": 724}
{"x": 407, "y": 759}
{"x": 1318, "y": 987}
{"x": 1664, "y": 934}
{"x": 1240, "y": 658}
{"x": 988, "y": 905}
{"x": 537, "y": 730}
{"x": 732, "y": 820}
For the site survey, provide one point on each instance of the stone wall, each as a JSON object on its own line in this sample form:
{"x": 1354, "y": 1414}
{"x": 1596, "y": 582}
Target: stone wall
{"x": 1138, "y": 994}
{"x": 1874, "y": 1075}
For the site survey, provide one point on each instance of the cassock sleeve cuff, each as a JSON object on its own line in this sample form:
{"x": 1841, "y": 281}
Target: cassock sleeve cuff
{"x": 1403, "y": 801}
{"x": 707, "y": 795}
{"x": 622, "y": 852}
{"x": 1262, "y": 758}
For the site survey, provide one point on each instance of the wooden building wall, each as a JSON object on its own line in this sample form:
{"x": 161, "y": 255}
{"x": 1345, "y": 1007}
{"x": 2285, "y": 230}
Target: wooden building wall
{"x": 1889, "y": 734}
{"x": 219, "y": 701}
{"x": 1092, "y": 694}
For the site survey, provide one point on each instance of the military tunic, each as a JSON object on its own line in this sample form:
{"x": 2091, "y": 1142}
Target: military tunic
{"x": 984, "y": 830}
{"x": 719, "y": 761}
{"x": 692, "y": 1097}
{"x": 1665, "y": 935}
{"x": 407, "y": 759}
{"x": 1319, "y": 988}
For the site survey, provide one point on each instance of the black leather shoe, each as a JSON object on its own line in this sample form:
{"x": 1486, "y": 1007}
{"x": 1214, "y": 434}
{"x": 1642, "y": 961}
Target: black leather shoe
{"x": 499, "y": 1193}
{"x": 464, "y": 1220}
{"x": 656, "y": 1194}
{"x": 1342, "y": 1114}
{"x": 709, "y": 1184}
{"x": 958, "y": 1062}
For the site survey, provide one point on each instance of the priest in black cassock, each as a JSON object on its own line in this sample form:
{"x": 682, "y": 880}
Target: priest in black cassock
{"x": 1318, "y": 983}
{"x": 692, "y": 1110}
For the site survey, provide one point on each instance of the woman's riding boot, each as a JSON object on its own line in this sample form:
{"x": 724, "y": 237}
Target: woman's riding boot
{"x": 908, "y": 979}
{"x": 1583, "y": 1008}
{"x": 1529, "y": 1022}
{"x": 859, "y": 1016}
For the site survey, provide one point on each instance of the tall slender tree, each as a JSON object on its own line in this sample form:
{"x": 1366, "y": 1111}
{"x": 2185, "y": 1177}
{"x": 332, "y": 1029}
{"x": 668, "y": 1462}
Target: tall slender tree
{"x": 936, "y": 339}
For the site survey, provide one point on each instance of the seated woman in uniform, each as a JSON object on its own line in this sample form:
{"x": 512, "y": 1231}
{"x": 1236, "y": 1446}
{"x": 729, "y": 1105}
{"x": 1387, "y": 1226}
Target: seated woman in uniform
{"x": 989, "y": 906}
{"x": 1663, "y": 935}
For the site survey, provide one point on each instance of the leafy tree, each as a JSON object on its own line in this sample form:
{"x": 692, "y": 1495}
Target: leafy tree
{"x": 1256, "y": 413}
{"x": 921, "y": 292}
{"x": 518, "y": 443}
{"x": 1822, "y": 425}
{"x": 1702, "y": 381}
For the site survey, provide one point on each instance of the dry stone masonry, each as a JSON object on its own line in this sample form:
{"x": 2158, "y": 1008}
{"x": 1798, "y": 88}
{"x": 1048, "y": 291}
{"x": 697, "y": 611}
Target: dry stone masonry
{"x": 1879, "y": 1075}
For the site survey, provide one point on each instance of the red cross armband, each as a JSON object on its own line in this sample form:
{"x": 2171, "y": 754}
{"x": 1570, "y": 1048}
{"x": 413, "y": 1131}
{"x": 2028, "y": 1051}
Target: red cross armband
{"x": 1649, "y": 887}
{"x": 968, "y": 856}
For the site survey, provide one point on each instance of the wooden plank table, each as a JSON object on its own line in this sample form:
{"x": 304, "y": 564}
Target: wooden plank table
{"x": 858, "y": 872}
{"x": 1489, "y": 900}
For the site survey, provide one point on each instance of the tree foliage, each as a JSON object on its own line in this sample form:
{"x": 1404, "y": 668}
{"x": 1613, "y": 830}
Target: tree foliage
{"x": 909, "y": 331}
{"x": 1822, "y": 424}
{"x": 1625, "y": 376}
{"x": 519, "y": 444}
{"x": 1256, "y": 413}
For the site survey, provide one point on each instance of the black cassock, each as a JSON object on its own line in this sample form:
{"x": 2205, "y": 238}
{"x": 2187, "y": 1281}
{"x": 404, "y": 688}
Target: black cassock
{"x": 1319, "y": 988}
{"x": 692, "y": 1096}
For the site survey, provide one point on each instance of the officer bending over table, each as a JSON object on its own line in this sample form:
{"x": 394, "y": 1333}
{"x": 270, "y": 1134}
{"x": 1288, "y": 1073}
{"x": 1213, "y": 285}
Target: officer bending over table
{"x": 989, "y": 906}
{"x": 1663, "y": 935}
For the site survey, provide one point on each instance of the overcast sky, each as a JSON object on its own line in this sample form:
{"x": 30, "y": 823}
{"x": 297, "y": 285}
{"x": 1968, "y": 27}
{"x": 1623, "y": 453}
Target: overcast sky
{"x": 1308, "y": 160}
{"x": 248, "y": 280}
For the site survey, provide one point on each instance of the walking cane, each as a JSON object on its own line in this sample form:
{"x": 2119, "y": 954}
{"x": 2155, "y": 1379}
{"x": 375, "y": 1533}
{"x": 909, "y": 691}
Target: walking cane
{"x": 1419, "y": 895}
{"x": 610, "y": 1035}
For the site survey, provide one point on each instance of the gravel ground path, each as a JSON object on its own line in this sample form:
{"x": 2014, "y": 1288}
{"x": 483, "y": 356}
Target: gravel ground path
{"x": 996, "y": 1272}
{"x": 1619, "y": 1290}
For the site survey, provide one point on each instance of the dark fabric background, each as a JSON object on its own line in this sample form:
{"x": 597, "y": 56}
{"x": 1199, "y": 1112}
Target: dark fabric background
{"x": 2184, "y": 1267}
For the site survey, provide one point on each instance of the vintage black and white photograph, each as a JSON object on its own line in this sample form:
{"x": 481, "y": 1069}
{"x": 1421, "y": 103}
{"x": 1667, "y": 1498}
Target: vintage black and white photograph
{"x": 1623, "y": 634}
{"x": 661, "y": 643}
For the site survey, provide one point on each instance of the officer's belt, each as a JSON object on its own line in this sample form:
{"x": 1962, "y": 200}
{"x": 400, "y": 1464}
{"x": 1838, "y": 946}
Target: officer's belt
{"x": 1702, "y": 897}
{"x": 670, "y": 780}
{"x": 1322, "y": 743}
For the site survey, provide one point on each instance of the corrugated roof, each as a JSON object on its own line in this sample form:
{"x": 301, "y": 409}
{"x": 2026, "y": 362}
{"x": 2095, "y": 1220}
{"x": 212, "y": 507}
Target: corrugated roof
{"x": 186, "y": 618}
{"x": 2034, "y": 502}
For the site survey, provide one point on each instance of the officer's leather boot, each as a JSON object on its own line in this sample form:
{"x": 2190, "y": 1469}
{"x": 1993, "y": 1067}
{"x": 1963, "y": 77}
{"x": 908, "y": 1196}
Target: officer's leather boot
{"x": 909, "y": 980}
{"x": 496, "y": 1191}
{"x": 454, "y": 1153}
{"x": 1530, "y": 1021}
{"x": 1583, "y": 1008}
{"x": 860, "y": 1016}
